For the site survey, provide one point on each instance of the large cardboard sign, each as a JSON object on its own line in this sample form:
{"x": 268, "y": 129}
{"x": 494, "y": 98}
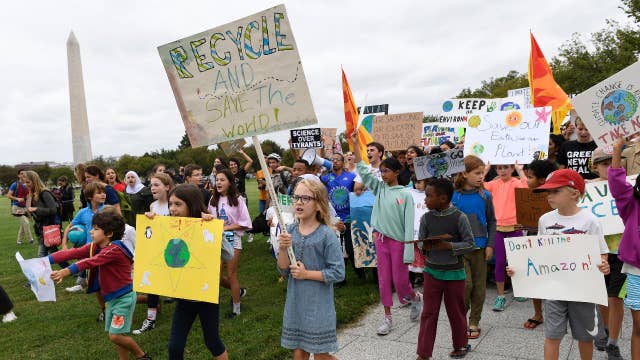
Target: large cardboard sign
{"x": 504, "y": 137}
{"x": 610, "y": 109}
{"x": 330, "y": 142}
{"x": 38, "y": 272}
{"x": 434, "y": 134}
{"x": 306, "y": 138}
{"x": 457, "y": 111}
{"x": 241, "y": 79}
{"x": 364, "y": 247}
{"x": 557, "y": 267}
{"x": 232, "y": 147}
{"x": 597, "y": 199}
{"x": 397, "y": 131}
{"x": 438, "y": 165}
{"x": 530, "y": 206}
{"x": 178, "y": 257}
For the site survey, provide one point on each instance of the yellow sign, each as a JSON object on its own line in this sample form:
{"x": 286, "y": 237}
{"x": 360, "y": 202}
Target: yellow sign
{"x": 178, "y": 257}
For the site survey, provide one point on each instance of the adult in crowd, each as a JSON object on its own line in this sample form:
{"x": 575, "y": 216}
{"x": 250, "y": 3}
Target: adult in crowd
{"x": 280, "y": 178}
{"x": 179, "y": 179}
{"x": 576, "y": 154}
{"x": 555, "y": 143}
{"x": 43, "y": 208}
{"x": 240, "y": 172}
{"x": 407, "y": 171}
{"x": 139, "y": 195}
{"x": 375, "y": 151}
{"x": 349, "y": 164}
{"x": 111, "y": 176}
{"x": 66, "y": 189}
{"x": 18, "y": 192}
{"x": 156, "y": 169}
{"x": 193, "y": 176}
{"x": 92, "y": 173}
{"x": 568, "y": 130}
{"x": 339, "y": 184}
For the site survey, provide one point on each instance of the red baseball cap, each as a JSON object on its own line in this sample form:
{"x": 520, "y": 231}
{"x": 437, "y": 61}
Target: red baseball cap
{"x": 560, "y": 178}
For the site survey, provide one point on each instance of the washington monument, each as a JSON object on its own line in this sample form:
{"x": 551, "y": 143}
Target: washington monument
{"x": 80, "y": 136}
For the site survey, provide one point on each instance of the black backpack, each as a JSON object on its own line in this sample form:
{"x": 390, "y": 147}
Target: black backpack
{"x": 57, "y": 196}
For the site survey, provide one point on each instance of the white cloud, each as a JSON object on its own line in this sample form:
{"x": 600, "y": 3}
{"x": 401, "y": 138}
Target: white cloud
{"x": 410, "y": 54}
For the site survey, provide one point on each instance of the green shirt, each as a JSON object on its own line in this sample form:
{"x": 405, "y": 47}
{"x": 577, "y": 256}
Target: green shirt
{"x": 446, "y": 274}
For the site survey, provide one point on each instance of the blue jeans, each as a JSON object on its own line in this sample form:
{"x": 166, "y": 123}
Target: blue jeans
{"x": 183, "y": 318}
{"x": 261, "y": 205}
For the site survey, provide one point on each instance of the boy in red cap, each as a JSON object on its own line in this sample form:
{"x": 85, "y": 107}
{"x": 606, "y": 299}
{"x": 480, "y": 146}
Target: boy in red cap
{"x": 565, "y": 188}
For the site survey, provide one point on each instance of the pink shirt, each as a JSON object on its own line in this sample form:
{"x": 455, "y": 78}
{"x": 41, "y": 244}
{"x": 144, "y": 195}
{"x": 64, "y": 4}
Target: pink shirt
{"x": 504, "y": 199}
{"x": 234, "y": 214}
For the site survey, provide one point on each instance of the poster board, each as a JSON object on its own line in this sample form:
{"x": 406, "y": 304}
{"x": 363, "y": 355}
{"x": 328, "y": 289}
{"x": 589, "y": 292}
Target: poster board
{"x": 397, "y": 131}
{"x": 597, "y": 199}
{"x": 530, "y": 206}
{"x": 441, "y": 164}
{"x": 306, "y": 138}
{"x": 434, "y": 134}
{"x": 240, "y": 79}
{"x": 364, "y": 248}
{"x": 556, "y": 267}
{"x": 455, "y": 112}
{"x": 38, "y": 272}
{"x": 233, "y": 146}
{"x": 611, "y": 108}
{"x": 504, "y": 137}
{"x": 525, "y": 93}
{"x": 330, "y": 141}
{"x": 178, "y": 257}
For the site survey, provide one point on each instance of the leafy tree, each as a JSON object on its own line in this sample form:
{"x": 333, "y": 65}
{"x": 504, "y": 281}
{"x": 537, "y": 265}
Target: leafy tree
{"x": 8, "y": 174}
{"x": 61, "y": 171}
{"x": 497, "y": 87}
{"x": 185, "y": 143}
{"x": 44, "y": 171}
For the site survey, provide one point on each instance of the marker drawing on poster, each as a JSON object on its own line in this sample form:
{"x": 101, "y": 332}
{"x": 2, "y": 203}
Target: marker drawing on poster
{"x": 38, "y": 272}
{"x": 438, "y": 165}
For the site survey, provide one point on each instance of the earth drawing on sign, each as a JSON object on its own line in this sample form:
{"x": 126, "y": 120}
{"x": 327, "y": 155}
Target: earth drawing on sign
{"x": 618, "y": 106}
{"x": 437, "y": 166}
{"x": 176, "y": 254}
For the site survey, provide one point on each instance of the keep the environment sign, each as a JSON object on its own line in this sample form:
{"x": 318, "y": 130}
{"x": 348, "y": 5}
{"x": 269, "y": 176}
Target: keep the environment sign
{"x": 241, "y": 79}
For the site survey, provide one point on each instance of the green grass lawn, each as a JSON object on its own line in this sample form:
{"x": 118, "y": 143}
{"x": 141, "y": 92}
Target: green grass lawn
{"x": 67, "y": 329}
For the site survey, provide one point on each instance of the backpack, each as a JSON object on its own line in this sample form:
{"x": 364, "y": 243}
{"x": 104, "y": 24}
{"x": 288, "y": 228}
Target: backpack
{"x": 125, "y": 208}
{"x": 57, "y": 196}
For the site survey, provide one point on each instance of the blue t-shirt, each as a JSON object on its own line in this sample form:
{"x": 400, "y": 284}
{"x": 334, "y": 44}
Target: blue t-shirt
{"x": 18, "y": 192}
{"x": 112, "y": 196}
{"x": 475, "y": 207}
{"x": 83, "y": 218}
{"x": 339, "y": 188}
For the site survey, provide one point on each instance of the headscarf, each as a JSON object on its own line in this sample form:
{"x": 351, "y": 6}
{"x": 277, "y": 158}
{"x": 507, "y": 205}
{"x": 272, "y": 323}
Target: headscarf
{"x": 135, "y": 188}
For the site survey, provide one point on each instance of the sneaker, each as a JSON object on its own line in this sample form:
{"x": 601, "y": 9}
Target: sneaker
{"x": 385, "y": 327}
{"x": 601, "y": 343}
{"x": 499, "y": 304}
{"x": 520, "y": 299}
{"x": 10, "y": 316}
{"x": 243, "y": 292}
{"x": 613, "y": 352}
{"x": 19, "y": 242}
{"x": 147, "y": 325}
{"x": 100, "y": 317}
{"x": 416, "y": 307}
{"x": 144, "y": 357}
{"x": 74, "y": 288}
{"x": 31, "y": 241}
{"x": 250, "y": 238}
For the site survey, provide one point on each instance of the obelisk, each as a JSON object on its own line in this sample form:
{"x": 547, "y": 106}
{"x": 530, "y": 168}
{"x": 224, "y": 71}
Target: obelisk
{"x": 80, "y": 137}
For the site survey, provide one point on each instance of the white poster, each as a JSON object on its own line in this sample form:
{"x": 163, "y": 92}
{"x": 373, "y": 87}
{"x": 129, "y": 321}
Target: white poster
{"x": 556, "y": 267}
{"x": 597, "y": 199}
{"x": 457, "y": 111}
{"x": 504, "y": 137}
{"x": 525, "y": 92}
{"x": 446, "y": 163}
{"x": 240, "y": 79}
{"x": 38, "y": 272}
{"x": 610, "y": 108}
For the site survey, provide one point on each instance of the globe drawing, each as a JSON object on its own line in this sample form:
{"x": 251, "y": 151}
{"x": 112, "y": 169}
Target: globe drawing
{"x": 447, "y": 106}
{"x": 437, "y": 167}
{"x": 176, "y": 254}
{"x": 618, "y": 106}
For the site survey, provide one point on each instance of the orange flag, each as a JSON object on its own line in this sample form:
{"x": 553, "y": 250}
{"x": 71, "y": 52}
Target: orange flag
{"x": 351, "y": 120}
{"x": 544, "y": 89}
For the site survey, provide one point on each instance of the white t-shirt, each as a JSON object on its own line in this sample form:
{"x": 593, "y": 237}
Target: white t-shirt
{"x": 419, "y": 209}
{"x": 584, "y": 222}
{"x": 129, "y": 238}
{"x": 159, "y": 209}
{"x": 372, "y": 170}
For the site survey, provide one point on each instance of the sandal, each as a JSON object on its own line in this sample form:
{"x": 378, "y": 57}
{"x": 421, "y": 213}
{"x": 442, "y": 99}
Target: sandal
{"x": 473, "y": 333}
{"x": 532, "y": 324}
{"x": 460, "y": 353}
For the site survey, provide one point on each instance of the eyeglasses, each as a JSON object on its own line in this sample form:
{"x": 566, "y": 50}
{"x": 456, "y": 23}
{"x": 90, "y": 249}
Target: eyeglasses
{"x": 303, "y": 198}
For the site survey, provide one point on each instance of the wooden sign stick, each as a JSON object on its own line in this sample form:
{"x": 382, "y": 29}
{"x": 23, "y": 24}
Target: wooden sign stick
{"x": 433, "y": 238}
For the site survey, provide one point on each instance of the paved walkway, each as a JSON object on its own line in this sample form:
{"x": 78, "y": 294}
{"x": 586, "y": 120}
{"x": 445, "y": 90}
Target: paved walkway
{"x": 503, "y": 336}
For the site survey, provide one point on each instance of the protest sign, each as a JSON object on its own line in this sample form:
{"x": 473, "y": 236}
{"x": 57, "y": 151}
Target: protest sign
{"x": 329, "y": 141}
{"x": 610, "y": 108}
{"x": 38, "y": 272}
{"x": 525, "y": 93}
{"x": 455, "y": 112}
{"x": 556, "y": 267}
{"x": 441, "y": 164}
{"x": 597, "y": 199}
{"x": 530, "y": 206}
{"x": 397, "y": 131}
{"x": 178, "y": 257}
{"x": 434, "y": 134}
{"x": 364, "y": 248}
{"x": 306, "y": 138}
{"x": 241, "y": 79}
{"x": 504, "y": 137}
{"x": 233, "y": 146}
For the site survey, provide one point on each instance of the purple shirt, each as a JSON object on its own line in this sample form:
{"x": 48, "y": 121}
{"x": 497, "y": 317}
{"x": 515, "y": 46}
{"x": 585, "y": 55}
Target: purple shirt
{"x": 232, "y": 214}
{"x": 629, "y": 210}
